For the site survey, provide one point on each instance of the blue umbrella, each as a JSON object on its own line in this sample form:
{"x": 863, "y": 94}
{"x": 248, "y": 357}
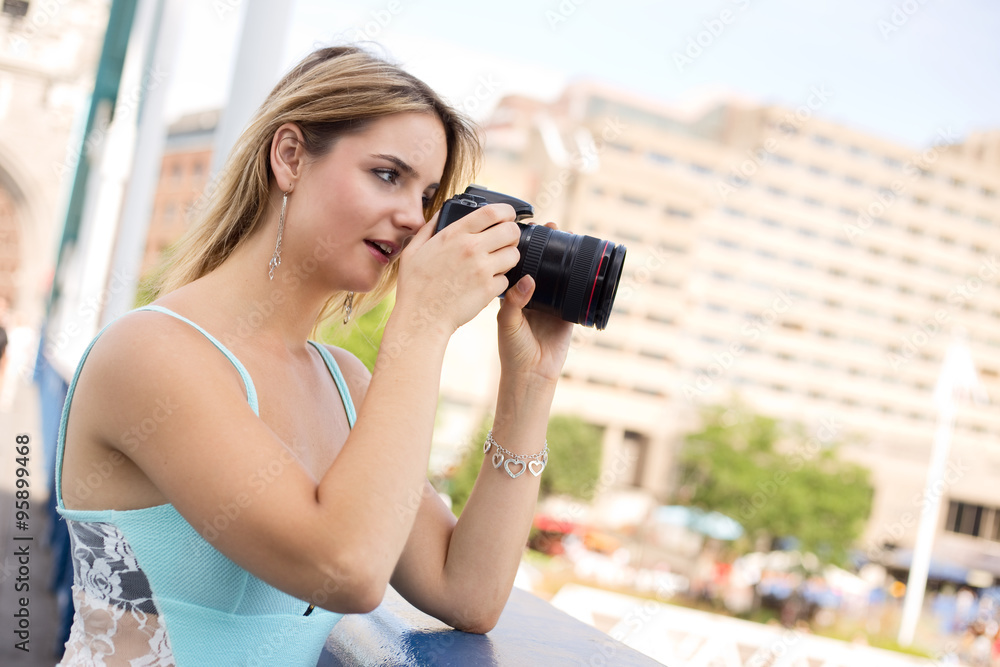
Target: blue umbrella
{"x": 708, "y": 523}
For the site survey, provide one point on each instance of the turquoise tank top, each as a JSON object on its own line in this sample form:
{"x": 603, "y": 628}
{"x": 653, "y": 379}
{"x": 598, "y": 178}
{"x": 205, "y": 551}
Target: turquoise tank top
{"x": 147, "y": 587}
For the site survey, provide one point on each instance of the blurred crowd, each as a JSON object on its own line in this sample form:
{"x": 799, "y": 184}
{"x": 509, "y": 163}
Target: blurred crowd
{"x": 802, "y": 594}
{"x": 972, "y": 619}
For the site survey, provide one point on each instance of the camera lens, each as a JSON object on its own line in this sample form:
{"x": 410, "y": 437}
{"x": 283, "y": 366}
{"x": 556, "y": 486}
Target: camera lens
{"x": 576, "y": 276}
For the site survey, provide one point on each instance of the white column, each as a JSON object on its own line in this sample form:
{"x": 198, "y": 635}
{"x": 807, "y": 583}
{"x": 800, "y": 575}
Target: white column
{"x": 151, "y": 134}
{"x": 916, "y": 583}
{"x": 958, "y": 379}
{"x": 258, "y": 65}
{"x": 86, "y": 273}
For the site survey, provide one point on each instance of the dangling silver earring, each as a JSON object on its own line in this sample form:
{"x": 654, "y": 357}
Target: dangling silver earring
{"x": 348, "y": 307}
{"x": 276, "y": 257}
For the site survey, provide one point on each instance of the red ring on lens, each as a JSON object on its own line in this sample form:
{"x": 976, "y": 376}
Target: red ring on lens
{"x": 597, "y": 275}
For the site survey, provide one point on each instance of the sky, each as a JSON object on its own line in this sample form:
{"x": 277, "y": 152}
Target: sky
{"x": 903, "y": 70}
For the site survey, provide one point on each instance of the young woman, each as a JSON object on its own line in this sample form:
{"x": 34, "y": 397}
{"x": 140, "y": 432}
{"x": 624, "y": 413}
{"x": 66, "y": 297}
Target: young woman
{"x": 227, "y": 502}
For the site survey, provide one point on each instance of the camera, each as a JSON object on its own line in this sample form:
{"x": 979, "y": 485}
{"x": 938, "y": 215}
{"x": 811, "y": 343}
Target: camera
{"x": 576, "y": 276}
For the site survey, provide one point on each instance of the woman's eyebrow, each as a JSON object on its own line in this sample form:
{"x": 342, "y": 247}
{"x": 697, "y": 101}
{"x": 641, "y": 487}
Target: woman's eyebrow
{"x": 403, "y": 166}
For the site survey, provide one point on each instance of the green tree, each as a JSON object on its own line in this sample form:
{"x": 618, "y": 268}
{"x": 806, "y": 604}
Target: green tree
{"x": 775, "y": 481}
{"x": 459, "y": 483}
{"x": 361, "y": 336}
{"x": 574, "y": 458}
{"x": 573, "y": 468}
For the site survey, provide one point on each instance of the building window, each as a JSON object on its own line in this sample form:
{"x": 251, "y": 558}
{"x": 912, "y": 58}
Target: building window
{"x": 635, "y": 449}
{"x": 16, "y": 8}
{"x": 629, "y": 235}
{"x": 607, "y": 343}
{"x": 964, "y": 518}
{"x": 654, "y": 354}
{"x": 659, "y": 158}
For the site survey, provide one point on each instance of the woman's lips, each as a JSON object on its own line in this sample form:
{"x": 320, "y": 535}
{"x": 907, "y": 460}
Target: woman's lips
{"x": 377, "y": 252}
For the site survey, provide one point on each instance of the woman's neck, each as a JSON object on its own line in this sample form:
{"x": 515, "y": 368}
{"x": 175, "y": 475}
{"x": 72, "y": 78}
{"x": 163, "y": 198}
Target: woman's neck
{"x": 238, "y": 299}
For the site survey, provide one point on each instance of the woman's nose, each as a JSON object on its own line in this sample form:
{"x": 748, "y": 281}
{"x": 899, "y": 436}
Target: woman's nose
{"x": 410, "y": 216}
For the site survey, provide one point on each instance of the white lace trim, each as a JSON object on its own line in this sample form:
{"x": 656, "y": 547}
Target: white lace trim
{"x": 116, "y": 622}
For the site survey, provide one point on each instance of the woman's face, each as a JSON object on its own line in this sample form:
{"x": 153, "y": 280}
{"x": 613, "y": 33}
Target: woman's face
{"x": 354, "y": 207}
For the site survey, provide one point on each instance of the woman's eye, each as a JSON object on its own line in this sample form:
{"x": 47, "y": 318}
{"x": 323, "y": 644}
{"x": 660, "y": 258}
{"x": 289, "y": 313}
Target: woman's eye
{"x": 427, "y": 201}
{"x": 387, "y": 175}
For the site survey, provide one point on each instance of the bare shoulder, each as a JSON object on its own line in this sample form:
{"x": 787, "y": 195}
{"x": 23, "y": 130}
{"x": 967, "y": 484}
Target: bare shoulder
{"x": 354, "y": 371}
{"x": 135, "y": 387}
{"x": 142, "y": 362}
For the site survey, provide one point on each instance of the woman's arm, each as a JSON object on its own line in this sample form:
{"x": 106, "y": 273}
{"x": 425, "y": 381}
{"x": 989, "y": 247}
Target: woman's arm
{"x": 462, "y": 572}
{"x": 337, "y": 542}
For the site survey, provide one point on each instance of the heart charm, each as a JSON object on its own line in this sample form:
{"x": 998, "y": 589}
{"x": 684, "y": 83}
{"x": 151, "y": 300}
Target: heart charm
{"x": 514, "y": 475}
{"x": 497, "y": 459}
{"x": 541, "y": 467}
{"x": 486, "y": 446}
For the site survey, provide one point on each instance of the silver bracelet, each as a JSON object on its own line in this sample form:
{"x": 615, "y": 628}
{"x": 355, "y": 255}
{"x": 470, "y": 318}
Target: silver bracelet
{"x": 534, "y": 463}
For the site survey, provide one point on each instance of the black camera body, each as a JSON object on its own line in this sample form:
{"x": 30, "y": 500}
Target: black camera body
{"x": 576, "y": 276}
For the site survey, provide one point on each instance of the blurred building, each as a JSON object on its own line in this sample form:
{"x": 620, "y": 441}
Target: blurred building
{"x": 814, "y": 270}
{"x": 48, "y": 57}
{"x": 187, "y": 158}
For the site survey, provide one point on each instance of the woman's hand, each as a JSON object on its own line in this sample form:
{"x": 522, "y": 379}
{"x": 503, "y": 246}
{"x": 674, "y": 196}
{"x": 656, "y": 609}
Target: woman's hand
{"x": 531, "y": 343}
{"x": 454, "y": 274}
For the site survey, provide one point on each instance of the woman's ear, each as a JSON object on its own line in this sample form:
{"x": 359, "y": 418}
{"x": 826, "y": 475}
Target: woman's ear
{"x": 287, "y": 156}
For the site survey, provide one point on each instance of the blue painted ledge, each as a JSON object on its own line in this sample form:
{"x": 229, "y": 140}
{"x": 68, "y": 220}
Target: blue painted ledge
{"x": 530, "y": 632}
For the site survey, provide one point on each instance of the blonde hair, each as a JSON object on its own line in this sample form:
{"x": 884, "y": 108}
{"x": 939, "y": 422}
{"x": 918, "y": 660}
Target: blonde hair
{"x": 331, "y": 92}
